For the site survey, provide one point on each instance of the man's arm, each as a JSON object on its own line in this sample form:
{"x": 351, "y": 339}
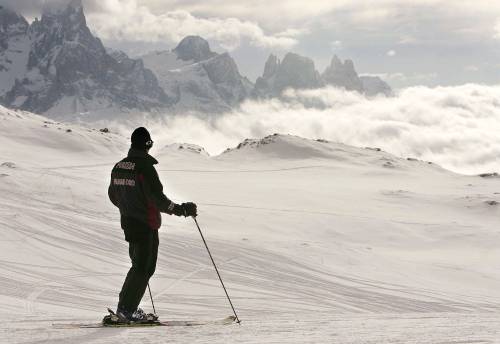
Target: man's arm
{"x": 155, "y": 193}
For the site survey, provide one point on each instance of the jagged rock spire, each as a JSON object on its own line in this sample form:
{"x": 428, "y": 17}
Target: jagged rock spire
{"x": 342, "y": 75}
{"x": 294, "y": 71}
{"x": 271, "y": 66}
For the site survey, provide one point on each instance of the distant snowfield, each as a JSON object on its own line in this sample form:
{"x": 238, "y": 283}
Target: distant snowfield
{"x": 317, "y": 242}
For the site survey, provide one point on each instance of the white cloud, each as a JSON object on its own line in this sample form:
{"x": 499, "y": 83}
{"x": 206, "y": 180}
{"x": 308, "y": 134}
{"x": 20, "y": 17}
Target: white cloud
{"x": 471, "y": 68}
{"x": 373, "y": 14}
{"x": 277, "y": 13}
{"x": 456, "y": 127}
{"x": 496, "y": 30}
{"x": 391, "y": 53}
{"x": 336, "y": 45}
{"x": 292, "y": 32}
{"x": 407, "y": 39}
{"x": 129, "y": 21}
{"x": 405, "y": 78}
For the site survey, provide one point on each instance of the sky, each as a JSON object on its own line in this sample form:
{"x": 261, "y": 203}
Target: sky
{"x": 407, "y": 42}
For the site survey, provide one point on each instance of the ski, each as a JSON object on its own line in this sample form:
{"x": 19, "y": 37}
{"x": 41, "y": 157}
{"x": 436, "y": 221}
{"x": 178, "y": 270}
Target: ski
{"x": 226, "y": 321}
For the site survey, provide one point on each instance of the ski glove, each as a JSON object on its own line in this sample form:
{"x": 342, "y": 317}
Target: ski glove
{"x": 185, "y": 209}
{"x": 190, "y": 209}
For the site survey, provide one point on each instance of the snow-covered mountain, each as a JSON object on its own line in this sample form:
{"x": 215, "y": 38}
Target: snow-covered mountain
{"x": 299, "y": 72}
{"x": 61, "y": 68}
{"x": 197, "y": 78}
{"x": 321, "y": 240}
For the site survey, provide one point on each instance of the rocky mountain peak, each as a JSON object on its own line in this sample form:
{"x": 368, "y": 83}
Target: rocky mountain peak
{"x": 67, "y": 21}
{"x": 222, "y": 68}
{"x": 69, "y": 71}
{"x": 193, "y": 48}
{"x": 271, "y": 66}
{"x": 298, "y": 72}
{"x": 11, "y": 24}
{"x": 9, "y": 18}
{"x": 294, "y": 71}
{"x": 197, "y": 78}
{"x": 60, "y": 6}
{"x": 14, "y": 47}
{"x": 342, "y": 75}
{"x": 349, "y": 65}
{"x": 62, "y": 39}
{"x": 292, "y": 60}
{"x": 336, "y": 62}
{"x": 76, "y": 4}
{"x": 374, "y": 85}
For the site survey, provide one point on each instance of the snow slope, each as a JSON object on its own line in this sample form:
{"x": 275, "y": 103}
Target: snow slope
{"x": 317, "y": 242}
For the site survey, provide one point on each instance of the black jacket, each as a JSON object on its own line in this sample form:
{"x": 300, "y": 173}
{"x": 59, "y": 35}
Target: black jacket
{"x": 136, "y": 190}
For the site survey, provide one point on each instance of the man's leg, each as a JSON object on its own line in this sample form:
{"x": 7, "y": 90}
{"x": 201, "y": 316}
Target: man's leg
{"x": 128, "y": 278}
{"x": 141, "y": 254}
{"x": 154, "y": 253}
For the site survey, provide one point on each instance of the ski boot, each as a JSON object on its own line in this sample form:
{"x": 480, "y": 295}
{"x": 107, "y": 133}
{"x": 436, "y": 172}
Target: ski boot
{"x": 113, "y": 319}
{"x": 124, "y": 317}
{"x": 139, "y": 316}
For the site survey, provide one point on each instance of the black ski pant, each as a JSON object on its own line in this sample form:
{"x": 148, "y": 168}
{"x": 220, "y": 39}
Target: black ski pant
{"x": 143, "y": 254}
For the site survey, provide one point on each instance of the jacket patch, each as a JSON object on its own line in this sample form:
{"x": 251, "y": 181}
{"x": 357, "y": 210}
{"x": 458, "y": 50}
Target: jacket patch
{"x": 122, "y": 181}
{"x": 126, "y": 165}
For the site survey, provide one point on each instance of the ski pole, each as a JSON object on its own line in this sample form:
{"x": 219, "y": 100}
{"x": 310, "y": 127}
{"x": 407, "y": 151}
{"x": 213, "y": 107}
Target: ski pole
{"x": 217, "y": 270}
{"x": 151, "y": 296}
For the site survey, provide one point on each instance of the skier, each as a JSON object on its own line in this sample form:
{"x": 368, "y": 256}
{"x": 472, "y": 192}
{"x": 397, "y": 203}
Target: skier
{"x": 136, "y": 190}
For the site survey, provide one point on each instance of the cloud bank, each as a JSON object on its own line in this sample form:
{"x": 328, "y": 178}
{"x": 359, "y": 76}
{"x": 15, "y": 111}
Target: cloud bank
{"x": 456, "y": 127}
{"x": 134, "y": 22}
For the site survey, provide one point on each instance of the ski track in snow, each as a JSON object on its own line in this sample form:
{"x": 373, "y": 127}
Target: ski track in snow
{"x": 311, "y": 250}
{"x": 289, "y": 328}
